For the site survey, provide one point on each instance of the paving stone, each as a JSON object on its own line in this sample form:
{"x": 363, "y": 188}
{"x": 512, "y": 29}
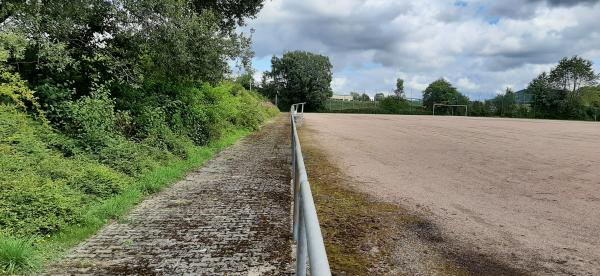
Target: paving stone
{"x": 231, "y": 217}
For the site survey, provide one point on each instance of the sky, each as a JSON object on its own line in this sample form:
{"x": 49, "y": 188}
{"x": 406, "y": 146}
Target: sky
{"x": 481, "y": 47}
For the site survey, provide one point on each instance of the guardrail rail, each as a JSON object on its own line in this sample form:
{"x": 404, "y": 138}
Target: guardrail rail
{"x": 306, "y": 228}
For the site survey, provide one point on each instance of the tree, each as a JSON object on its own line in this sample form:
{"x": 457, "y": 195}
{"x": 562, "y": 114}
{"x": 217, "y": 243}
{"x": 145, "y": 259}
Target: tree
{"x": 230, "y": 12}
{"x": 572, "y": 73}
{"x": 441, "y": 91}
{"x": 247, "y": 81}
{"x": 399, "y": 91}
{"x": 301, "y": 76}
{"x": 478, "y": 108}
{"x": 129, "y": 40}
{"x": 379, "y": 97}
{"x": 394, "y": 105}
{"x": 504, "y": 105}
{"x": 546, "y": 99}
{"x": 355, "y": 96}
{"x": 138, "y": 51}
{"x": 364, "y": 97}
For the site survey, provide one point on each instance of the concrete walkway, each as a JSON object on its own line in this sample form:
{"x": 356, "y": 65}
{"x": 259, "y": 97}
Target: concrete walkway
{"x": 231, "y": 217}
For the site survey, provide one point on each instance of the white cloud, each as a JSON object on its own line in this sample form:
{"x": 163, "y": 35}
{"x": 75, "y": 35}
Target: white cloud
{"x": 481, "y": 47}
{"x": 466, "y": 84}
{"x": 338, "y": 84}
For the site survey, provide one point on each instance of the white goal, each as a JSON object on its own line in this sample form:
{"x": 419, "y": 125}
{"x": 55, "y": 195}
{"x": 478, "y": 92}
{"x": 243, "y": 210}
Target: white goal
{"x": 451, "y": 105}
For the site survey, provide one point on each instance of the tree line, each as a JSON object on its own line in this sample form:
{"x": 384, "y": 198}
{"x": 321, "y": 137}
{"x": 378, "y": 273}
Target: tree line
{"x": 568, "y": 91}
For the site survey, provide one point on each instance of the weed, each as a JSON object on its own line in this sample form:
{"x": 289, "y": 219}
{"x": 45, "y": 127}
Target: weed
{"x": 15, "y": 254}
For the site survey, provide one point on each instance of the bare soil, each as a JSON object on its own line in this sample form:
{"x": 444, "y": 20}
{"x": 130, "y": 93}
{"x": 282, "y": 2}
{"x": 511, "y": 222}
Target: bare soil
{"x": 522, "y": 196}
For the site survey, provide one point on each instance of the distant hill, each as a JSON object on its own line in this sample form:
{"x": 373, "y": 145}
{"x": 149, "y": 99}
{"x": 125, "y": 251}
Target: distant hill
{"x": 523, "y": 97}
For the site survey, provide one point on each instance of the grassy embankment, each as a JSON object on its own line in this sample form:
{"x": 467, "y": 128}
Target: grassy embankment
{"x": 58, "y": 188}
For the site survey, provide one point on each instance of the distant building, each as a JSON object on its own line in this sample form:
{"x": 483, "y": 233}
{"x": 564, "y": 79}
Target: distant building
{"x": 342, "y": 97}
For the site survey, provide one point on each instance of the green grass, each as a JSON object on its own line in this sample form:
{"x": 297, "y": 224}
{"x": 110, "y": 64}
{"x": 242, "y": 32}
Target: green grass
{"x": 18, "y": 255}
{"x": 15, "y": 254}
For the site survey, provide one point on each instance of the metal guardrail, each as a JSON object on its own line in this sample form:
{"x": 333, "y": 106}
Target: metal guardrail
{"x": 307, "y": 231}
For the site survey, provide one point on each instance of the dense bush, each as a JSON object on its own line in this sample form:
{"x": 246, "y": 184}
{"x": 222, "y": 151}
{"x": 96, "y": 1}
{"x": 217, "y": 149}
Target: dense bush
{"x": 394, "y": 105}
{"x": 128, "y": 96}
{"x": 48, "y": 178}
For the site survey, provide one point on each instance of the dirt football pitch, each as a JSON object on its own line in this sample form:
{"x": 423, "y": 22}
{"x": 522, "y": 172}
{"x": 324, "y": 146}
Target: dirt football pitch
{"x": 526, "y": 192}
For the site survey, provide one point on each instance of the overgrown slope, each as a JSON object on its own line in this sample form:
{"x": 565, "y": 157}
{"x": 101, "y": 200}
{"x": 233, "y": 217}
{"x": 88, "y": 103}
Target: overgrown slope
{"x": 58, "y": 187}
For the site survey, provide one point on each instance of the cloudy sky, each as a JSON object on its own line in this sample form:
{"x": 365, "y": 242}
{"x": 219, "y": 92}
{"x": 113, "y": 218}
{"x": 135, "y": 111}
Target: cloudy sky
{"x": 480, "y": 46}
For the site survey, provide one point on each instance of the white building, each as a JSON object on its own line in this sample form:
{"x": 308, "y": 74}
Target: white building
{"x": 342, "y": 97}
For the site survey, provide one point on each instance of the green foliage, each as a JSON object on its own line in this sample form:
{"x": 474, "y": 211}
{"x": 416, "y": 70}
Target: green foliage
{"x": 394, "y": 105}
{"x": 390, "y": 105}
{"x": 566, "y": 92}
{"x": 441, "y": 91}
{"x": 572, "y": 73}
{"x": 230, "y": 12}
{"x": 504, "y": 105}
{"x": 301, "y": 76}
{"x": 590, "y": 96}
{"x": 363, "y": 97}
{"x": 478, "y": 108}
{"x": 49, "y": 178}
{"x": 15, "y": 254}
{"x": 91, "y": 120}
{"x": 399, "y": 91}
{"x": 42, "y": 191}
{"x": 16, "y": 91}
{"x": 135, "y": 96}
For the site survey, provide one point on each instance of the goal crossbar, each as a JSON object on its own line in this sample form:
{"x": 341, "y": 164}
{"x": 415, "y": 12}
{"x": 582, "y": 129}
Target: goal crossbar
{"x": 440, "y": 104}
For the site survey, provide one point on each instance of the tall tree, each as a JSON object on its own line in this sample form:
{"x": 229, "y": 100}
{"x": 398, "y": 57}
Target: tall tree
{"x": 546, "y": 99}
{"x": 230, "y": 12}
{"x": 399, "y": 91}
{"x": 441, "y": 91}
{"x": 129, "y": 41}
{"x": 572, "y": 73}
{"x": 301, "y": 76}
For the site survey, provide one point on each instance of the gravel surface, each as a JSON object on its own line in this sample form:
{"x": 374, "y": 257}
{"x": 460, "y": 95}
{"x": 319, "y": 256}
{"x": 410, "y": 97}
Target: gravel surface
{"x": 522, "y": 192}
{"x": 230, "y": 217}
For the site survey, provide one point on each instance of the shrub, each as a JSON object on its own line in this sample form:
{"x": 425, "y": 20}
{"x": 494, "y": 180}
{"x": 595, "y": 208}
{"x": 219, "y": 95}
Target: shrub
{"x": 130, "y": 158}
{"x": 393, "y": 104}
{"x": 97, "y": 181}
{"x": 41, "y": 191}
{"x": 92, "y": 121}
{"x": 37, "y": 205}
{"x": 51, "y": 181}
{"x": 14, "y": 90}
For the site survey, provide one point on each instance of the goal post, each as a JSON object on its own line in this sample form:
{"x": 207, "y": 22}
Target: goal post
{"x": 458, "y": 105}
